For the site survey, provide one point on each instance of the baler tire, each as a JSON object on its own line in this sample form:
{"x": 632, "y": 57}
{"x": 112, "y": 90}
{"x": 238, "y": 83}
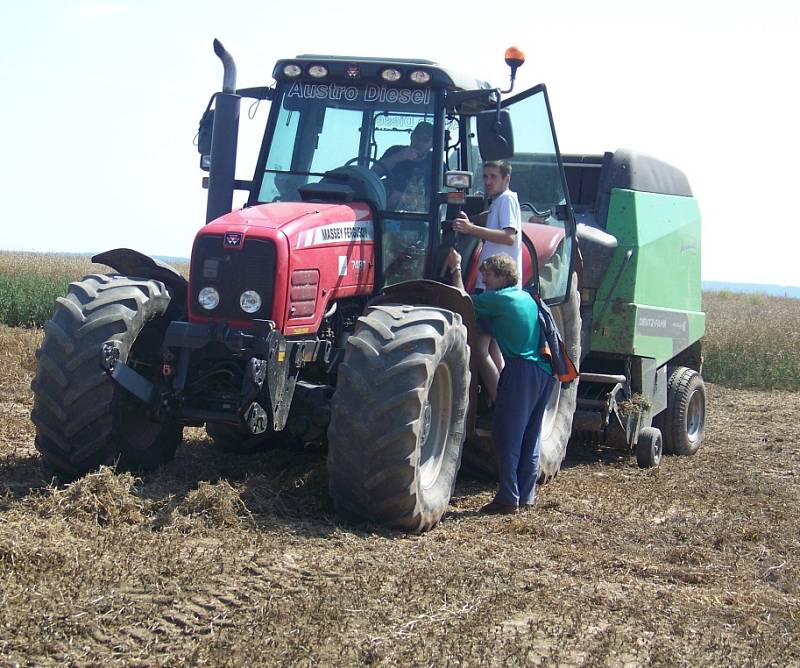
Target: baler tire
{"x": 684, "y": 418}
{"x": 649, "y": 448}
{"x": 398, "y": 416}
{"x": 557, "y": 420}
{"x": 83, "y": 418}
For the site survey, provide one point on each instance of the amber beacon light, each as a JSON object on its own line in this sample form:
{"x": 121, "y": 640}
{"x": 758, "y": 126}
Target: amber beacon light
{"x": 514, "y": 58}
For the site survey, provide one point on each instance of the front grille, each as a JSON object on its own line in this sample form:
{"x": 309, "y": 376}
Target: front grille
{"x": 231, "y": 272}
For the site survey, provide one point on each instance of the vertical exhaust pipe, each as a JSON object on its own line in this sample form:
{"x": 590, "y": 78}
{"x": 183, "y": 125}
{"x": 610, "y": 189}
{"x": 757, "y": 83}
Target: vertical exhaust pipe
{"x": 224, "y": 139}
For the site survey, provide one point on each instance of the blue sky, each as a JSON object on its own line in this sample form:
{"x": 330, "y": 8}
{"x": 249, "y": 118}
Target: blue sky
{"x": 101, "y": 102}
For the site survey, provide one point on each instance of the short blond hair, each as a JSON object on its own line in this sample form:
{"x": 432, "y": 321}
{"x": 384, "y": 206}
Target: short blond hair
{"x": 502, "y": 266}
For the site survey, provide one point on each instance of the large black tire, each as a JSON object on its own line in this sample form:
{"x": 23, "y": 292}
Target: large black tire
{"x": 557, "y": 420}
{"x": 83, "y": 418}
{"x": 683, "y": 421}
{"x": 398, "y": 416}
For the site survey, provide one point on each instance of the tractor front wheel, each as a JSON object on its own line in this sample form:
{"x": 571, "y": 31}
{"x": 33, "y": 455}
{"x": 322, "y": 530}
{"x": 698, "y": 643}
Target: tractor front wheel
{"x": 398, "y": 416}
{"x": 82, "y": 417}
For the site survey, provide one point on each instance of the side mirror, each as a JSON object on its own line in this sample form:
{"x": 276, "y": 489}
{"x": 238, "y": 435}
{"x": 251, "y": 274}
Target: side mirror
{"x": 495, "y": 136}
{"x": 204, "y": 139}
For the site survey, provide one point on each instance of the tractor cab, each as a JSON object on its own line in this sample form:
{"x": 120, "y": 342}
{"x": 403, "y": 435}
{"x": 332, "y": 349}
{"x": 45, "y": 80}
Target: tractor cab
{"x": 409, "y": 138}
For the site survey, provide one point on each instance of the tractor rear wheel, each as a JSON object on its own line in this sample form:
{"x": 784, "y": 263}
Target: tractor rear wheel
{"x": 83, "y": 418}
{"x": 398, "y": 416}
{"x": 557, "y": 420}
{"x": 683, "y": 422}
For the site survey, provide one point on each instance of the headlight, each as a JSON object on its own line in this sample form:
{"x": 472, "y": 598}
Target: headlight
{"x": 250, "y": 301}
{"x": 391, "y": 74}
{"x": 420, "y": 76}
{"x": 208, "y": 298}
{"x": 456, "y": 179}
{"x": 318, "y": 71}
{"x": 292, "y": 70}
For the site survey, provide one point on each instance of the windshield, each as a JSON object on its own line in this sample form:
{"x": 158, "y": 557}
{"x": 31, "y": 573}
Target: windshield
{"x": 321, "y": 127}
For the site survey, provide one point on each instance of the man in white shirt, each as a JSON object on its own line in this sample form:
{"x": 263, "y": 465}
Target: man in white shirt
{"x": 502, "y": 235}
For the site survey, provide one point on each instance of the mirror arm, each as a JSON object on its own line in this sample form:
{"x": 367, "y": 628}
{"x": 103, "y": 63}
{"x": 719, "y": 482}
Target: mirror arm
{"x": 511, "y": 86}
{"x": 256, "y": 92}
{"x": 457, "y": 98}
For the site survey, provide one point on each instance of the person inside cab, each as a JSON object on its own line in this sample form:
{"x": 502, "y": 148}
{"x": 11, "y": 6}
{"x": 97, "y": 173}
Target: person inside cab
{"x": 407, "y": 171}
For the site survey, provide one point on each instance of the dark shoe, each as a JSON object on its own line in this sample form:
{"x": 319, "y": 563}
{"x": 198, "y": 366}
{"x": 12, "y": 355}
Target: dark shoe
{"x": 496, "y": 508}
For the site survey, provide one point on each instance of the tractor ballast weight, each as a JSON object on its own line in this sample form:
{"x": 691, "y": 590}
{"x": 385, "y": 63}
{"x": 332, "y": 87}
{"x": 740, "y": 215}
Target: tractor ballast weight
{"x": 320, "y": 311}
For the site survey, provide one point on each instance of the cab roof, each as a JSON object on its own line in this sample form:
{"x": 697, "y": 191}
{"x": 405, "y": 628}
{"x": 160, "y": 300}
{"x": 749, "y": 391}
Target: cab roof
{"x": 369, "y": 69}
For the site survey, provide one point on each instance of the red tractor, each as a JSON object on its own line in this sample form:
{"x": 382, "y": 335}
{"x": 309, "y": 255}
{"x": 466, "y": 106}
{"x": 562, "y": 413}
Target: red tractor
{"x": 321, "y": 308}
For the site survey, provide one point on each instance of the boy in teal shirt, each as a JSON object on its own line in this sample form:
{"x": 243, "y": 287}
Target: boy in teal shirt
{"x": 526, "y": 381}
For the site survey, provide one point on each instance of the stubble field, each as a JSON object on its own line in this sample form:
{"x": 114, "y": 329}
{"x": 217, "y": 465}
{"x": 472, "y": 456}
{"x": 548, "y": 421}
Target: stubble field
{"x": 215, "y": 560}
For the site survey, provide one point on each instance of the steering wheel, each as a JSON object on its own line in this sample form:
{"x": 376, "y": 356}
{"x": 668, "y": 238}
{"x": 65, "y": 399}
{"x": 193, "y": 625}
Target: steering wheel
{"x": 539, "y": 214}
{"x": 369, "y": 161}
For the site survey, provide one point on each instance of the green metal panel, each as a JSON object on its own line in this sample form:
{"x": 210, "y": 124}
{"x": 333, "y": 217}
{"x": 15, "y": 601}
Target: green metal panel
{"x": 655, "y": 308}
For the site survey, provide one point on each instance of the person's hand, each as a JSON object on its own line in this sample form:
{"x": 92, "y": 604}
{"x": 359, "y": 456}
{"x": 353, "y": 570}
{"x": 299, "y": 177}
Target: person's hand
{"x": 453, "y": 259}
{"x": 406, "y": 154}
{"x": 461, "y": 223}
{"x": 403, "y": 155}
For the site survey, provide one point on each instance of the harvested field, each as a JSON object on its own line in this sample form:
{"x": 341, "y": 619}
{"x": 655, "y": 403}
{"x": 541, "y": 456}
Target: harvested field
{"x": 217, "y": 560}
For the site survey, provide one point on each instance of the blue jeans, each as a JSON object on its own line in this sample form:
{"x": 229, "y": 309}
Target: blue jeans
{"x": 522, "y": 396}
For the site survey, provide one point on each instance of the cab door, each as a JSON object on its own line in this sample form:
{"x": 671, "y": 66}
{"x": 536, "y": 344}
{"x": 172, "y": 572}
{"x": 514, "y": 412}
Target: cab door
{"x": 538, "y": 179}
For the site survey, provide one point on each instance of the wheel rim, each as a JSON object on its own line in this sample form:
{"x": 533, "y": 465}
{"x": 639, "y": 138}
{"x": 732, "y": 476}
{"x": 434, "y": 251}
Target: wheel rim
{"x": 695, "y": 417}
{"x": 435, "y": 427}
{"x": 656, "y": 450}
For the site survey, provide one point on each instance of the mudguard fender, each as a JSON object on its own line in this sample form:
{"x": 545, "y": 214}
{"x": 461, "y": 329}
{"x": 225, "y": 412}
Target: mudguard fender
{"x": 133, "y": 263}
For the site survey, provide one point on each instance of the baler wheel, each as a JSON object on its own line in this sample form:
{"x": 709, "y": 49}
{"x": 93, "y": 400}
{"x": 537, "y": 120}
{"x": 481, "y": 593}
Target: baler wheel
{"x": 684, "y": 419}
{"x": 398, "y": 416}
{"x": 649, "y": 448}
{"x": 83, "y": 418}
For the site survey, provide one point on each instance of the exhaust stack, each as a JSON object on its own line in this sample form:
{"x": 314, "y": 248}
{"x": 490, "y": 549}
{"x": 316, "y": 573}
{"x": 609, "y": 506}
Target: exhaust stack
{"x": 224, "y": 138}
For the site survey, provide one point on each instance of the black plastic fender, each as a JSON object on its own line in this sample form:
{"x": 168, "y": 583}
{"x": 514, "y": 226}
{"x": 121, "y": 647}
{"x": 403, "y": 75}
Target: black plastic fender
{"x": 133, "y": 263}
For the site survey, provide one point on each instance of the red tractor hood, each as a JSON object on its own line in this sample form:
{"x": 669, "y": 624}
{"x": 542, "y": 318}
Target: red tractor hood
{"x": 322, "y": 252}
{"x": 290, "y": 218}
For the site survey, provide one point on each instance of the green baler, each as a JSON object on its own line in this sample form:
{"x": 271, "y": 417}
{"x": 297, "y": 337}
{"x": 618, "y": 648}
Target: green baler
{"x": 642, "y": 319}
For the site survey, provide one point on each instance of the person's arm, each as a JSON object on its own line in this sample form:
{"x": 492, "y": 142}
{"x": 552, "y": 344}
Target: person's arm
{"x": 454, "y": 264}
{"x": 504, "y": 236}
{"x": 393, "y": 156}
